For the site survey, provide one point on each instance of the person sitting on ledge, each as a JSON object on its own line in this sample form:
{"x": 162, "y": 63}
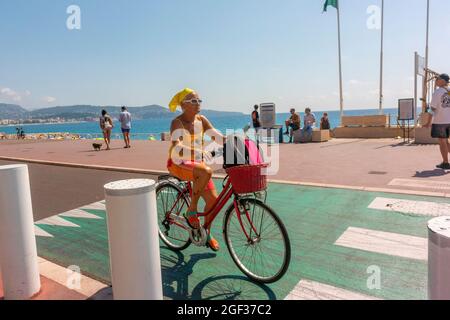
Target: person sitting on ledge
{"x": 309, "y": 121}
{"x": 325, "y": 122}
{"x": 292, "y": 124}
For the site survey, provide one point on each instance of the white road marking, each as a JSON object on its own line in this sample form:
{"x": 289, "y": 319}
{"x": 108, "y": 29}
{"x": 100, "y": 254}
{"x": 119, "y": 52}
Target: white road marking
{"x": 78, "y": 213}
{"x": 424, "y": 184}
{"x": 57, "y": 221}
{"x": 385, "y": 243}
{"x": 87, "y": 286}
{"x": 95, "y": 206}
{"x": 41, "y": 233}
{"x": 432, "y": 209}
{"x": 310, "y": 290}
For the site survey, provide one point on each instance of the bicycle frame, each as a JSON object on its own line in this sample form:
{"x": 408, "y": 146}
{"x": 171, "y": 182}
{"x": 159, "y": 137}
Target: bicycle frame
{"x": 223, "y": 198}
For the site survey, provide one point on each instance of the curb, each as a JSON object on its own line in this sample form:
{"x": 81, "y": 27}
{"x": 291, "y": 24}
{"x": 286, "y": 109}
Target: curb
{"x": 222, "y": 176}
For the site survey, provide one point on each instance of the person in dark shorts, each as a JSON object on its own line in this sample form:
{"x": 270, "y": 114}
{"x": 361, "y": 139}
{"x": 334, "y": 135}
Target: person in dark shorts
{"x": 125, "y": 123}
{"x": 293, "y": 123}
{"x": 440, "y": 105}
{"x": 255, "y": 119}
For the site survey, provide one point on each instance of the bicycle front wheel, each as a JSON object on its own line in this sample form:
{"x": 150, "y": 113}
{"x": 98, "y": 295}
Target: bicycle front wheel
{"x": 257, "y": 241}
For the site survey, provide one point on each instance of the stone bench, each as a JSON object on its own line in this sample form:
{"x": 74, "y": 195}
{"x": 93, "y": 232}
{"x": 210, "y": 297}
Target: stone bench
{"x": 317, "y": 136}
{"x": 321, "y": 135}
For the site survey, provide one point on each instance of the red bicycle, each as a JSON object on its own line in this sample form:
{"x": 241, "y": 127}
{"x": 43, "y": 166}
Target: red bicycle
{"x": 255, "y": 236}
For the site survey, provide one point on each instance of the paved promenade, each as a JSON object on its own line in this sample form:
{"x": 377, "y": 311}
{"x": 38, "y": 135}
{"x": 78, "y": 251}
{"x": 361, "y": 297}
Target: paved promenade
{"x": 385, "y": 163}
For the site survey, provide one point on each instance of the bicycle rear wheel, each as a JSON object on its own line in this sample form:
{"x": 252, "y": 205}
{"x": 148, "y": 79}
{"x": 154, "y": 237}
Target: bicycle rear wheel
{"x": 171, "y": 203}
{"x": 264, "y": 253}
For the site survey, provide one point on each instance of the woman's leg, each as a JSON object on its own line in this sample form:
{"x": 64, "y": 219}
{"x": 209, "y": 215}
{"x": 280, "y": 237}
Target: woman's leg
{"x": 105, "y": 138}
{"x": 108, "y": 134}
{"x": 202, "y": 175}
{"x": 210, "y": 197}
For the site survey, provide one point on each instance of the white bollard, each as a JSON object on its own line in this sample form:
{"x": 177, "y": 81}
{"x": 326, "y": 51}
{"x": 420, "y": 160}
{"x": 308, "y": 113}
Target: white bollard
{"x": 18, "y": 253}
{"x": 134, "y": 240}
{"x": 439, "y": 259}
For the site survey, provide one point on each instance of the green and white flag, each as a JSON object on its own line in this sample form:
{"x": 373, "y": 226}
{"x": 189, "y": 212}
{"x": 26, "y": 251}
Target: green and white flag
{"x": 333, "y": 3}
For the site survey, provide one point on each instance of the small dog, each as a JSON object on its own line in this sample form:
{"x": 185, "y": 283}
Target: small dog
{"x": 97, "y": 146}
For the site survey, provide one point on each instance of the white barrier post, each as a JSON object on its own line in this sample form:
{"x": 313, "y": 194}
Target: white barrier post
{"x": 134, "y": 240}
{"x": 439, "y": 259}
{"x": 18, "y": 253}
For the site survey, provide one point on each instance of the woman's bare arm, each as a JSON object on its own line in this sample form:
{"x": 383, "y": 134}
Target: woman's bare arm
{"x": 210, "y": 130}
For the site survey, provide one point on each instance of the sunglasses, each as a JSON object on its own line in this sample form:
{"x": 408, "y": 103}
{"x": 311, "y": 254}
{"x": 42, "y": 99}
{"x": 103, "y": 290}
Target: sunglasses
{"x": 193, "y": 101}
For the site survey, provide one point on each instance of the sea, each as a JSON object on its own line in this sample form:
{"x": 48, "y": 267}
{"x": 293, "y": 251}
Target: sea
{"x": 152, "y": 128}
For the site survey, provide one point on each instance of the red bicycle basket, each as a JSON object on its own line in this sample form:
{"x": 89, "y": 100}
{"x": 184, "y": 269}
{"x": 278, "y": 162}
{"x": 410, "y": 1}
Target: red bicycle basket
{"x": 248, "y": 178}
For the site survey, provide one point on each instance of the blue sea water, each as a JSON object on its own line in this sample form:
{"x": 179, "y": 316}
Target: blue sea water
{"x": 142, "y": 129}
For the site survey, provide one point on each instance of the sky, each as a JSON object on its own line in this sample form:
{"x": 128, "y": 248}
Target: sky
{"x": 235, "y": 53}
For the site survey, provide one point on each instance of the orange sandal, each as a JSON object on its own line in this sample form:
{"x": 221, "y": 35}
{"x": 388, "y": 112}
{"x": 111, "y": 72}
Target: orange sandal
{"x": 212, "y": 243}
{"x": 192, "y": 220}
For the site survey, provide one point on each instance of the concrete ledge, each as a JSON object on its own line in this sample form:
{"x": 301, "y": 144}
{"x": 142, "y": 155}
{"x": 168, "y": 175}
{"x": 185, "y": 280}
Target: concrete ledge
{"x": 423, "y": 136}
{"x": 321, "y": 136}
{"x": 369, "y": 133}
{"x": 366, "y": 121}
{"x": 299, "y": 137}
{"x": 86, "y": 166}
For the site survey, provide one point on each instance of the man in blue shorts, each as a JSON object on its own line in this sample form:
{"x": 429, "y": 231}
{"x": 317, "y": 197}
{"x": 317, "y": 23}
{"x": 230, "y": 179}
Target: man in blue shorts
{"x": 125, "y": 121}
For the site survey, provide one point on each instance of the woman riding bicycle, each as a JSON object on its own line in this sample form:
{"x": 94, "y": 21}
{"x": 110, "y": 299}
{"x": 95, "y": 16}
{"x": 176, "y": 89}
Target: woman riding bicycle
{"x": 187, "y": 156}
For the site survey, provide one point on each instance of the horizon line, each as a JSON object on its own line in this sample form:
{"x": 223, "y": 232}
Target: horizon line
{"x": 158, "y": 105}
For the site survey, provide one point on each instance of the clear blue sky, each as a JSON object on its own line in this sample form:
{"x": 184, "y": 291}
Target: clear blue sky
{"x": 234, "y": 52}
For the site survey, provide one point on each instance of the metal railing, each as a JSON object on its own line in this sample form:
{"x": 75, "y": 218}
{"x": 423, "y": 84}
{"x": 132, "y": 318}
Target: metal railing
{"x": 119, "y": 136}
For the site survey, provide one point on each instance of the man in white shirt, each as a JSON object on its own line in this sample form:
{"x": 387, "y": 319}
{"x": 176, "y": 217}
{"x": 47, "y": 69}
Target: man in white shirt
{"x": 309, "y": 122}
{"x": 125, "y": 121}
{"x": 440, "y": 104}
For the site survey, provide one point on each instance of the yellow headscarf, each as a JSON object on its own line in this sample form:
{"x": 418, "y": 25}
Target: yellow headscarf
{"x": 178, "y": 99}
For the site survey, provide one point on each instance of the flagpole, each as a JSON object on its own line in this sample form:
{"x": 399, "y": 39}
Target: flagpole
{"x": 381, "y": 57}
{"x": 425, "y": 79}
{"x": 340, "y": 63}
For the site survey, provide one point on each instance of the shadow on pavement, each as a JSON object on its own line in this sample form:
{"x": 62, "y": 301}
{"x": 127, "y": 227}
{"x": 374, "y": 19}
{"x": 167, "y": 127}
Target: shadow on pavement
{"x": 176, "y": 272}
{"x": 225, "y": 287}
{"x": 231, "y": 288}
{"x": 430, "y": 173}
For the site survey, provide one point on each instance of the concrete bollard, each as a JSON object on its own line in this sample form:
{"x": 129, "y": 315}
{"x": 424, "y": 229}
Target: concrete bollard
{"x": 134, "y": 240}
{"x": 18, "y": 253}
{"x": 439, "y": 259}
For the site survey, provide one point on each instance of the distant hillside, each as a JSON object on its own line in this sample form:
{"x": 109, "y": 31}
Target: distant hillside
{"x": 88, "y": 111}
{"x": 220, "y": 114}
{"x": 81, "y": 112}
{"x": 12, "y": 111}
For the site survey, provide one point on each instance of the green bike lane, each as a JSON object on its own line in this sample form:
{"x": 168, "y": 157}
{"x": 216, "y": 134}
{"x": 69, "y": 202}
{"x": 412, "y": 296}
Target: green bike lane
{"x": 315, "y": 218}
